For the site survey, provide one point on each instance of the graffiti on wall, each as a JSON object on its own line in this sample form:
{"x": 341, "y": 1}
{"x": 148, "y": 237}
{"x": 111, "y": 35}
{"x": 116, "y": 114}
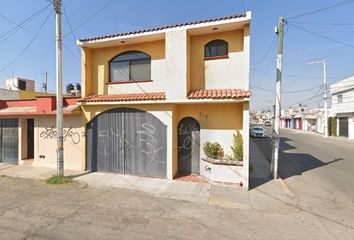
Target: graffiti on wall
{"x": 51, "y": 133}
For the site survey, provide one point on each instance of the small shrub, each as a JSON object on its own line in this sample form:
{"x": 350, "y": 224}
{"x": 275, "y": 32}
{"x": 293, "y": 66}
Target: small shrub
{"x": 213, "y": 150}
{"x": 56, "y": 180}
{"x": 237, "y": 146}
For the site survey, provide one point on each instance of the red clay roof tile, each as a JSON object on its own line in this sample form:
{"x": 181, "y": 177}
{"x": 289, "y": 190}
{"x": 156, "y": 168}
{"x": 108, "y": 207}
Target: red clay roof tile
{"x": 219, "y": 94}
{"x": 162, "y": 28}
{"x": 125, "y": 97}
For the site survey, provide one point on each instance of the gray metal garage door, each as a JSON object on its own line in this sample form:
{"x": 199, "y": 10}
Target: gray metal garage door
{"x": 129, "y": 141}
{"x": 343, "y": 127}
{"x": 9, "y": 141}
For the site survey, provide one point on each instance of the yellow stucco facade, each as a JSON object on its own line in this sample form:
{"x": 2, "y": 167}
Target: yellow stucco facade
{"x": 177, "y": 62}
{"x": 197, "y": 72}
{"x": 96, "y": 63}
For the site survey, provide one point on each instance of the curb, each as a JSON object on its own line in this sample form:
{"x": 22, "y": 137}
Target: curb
{"x": 280, "y": 178}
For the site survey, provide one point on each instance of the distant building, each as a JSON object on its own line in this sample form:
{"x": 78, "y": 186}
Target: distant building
{"x": 6, "y": 94}
{"x": 73, "y": 90}
{"x": 343, "y": 106}
{"x": 20, "y": 88}
{"x": 17, "y": 83}
{"x": 303, "y": 118}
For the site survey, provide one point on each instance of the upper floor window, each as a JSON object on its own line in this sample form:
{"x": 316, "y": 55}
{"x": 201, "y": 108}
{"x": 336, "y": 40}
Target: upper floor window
{"x": 130, "y": 66}
{"x": 216, "y": 48}
{"x": 340, "y": 98}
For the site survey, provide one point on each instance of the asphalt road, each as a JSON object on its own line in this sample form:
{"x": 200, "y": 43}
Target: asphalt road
{"x": 33, "y": 210}
{"x": 319, "y": 171}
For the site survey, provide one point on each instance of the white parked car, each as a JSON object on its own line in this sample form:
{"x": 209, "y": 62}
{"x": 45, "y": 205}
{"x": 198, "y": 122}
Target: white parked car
{"x": 258, "y": 131}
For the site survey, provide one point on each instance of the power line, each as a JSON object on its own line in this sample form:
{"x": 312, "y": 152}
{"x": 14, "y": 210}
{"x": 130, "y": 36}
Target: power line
{"x": 288, "y": 92}
{"x": 89, "y": 18}
{"x": 317, "y": 94}
{"x": 322, "y": 9}
{"x": 71, "y": 30}
{"x": 267, "y": 52}
{"x": 28, "y": 45}
{"x": 324, "y": 23}
{"x": 292, "y": 75}
{"x": 73, "y": 54}
{"x": 20, "y": 25}
{"x": 322, "y": 36}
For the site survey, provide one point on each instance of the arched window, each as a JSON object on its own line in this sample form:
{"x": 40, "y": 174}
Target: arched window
{"x": 130, "y": 66}
{"x": 216, "y": 48}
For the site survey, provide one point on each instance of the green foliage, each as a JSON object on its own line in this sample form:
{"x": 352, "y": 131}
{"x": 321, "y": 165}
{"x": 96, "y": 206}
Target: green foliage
{"x": 332, "y": 126}
{"x": 55, "y": 180}
{"x": 213, "y": 150}
{"x": 237, "y": 146}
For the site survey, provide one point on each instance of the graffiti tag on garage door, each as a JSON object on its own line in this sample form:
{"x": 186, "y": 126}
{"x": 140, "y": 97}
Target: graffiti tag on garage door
{"x": 51, "y": 132}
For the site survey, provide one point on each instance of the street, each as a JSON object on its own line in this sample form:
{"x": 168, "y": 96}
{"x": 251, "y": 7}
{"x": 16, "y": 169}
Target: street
{"x": 319, "y": 172}
{"x": 30, "y": 209}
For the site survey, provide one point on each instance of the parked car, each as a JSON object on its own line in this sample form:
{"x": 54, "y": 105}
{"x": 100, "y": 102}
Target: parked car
{"x": 267, "y": 123}
{"x": 258, "y": 131}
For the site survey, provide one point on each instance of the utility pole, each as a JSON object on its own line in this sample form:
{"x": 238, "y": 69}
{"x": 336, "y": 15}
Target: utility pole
{"x": 275, "y": 134}
{"x": 59, "y": 83}
{"x": 323, "y": 62}
{"x": 45, "y": 84}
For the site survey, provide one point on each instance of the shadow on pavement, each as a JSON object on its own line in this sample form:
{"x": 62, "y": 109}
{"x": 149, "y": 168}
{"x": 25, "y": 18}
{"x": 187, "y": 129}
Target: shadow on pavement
{"x": 290, "y": 164}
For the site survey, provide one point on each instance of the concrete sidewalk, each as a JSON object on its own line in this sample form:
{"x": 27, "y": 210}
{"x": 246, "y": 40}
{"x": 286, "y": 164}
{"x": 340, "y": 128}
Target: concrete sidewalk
{"x": 265, "y": 194}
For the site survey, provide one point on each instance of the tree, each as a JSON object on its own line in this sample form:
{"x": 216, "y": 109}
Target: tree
{"x": 237, "y": 146}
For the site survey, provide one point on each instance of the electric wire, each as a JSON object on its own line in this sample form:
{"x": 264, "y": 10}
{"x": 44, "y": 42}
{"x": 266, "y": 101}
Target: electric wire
{"x": 293, "y": 75}
{"x": 288, "y": 92}
{"x": 28, "y": 44}
{"x": 322, "y": 9}
{"x": 71, "y": 52}
{"x": 267, "y": 52}
{"x": 306, "y": 101}
{"x": 320, "y": 35}
{"x": 324, "y": 23}
{"x": 71, "y": 30}
{"x": 21, "y": 24}
{"x": 89, "y": 18}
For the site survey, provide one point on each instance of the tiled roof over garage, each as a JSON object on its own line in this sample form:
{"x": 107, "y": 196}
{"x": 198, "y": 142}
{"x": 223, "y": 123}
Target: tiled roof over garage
{"x": 125, "y": 97}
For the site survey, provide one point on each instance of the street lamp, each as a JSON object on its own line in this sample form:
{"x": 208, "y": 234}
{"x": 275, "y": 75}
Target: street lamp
{"x": 323, "y": 62}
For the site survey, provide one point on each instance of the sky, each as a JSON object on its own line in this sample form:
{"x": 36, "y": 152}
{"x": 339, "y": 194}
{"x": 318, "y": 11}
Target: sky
{"x": 327, "y": 34}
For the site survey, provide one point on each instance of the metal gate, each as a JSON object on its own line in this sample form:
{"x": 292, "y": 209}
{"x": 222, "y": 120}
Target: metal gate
{"x": 9, "y": 141}
{"x": 343, "y": 127}
{"x": 129, "y": 141}
{"x": 188, "y": 146}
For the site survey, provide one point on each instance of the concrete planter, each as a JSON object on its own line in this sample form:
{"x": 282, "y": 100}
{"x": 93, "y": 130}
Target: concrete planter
{"x": 219, "y": 170}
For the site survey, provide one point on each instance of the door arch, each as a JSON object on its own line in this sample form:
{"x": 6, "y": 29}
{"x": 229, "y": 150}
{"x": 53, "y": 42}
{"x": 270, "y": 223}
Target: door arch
{"x": 128, "y": 141}
{"x": 188, "y": 146}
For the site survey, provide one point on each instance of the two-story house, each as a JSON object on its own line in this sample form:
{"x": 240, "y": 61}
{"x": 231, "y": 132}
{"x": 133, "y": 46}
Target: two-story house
{"x": 343, "y": 106}
{"x": 151, "y": 98}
